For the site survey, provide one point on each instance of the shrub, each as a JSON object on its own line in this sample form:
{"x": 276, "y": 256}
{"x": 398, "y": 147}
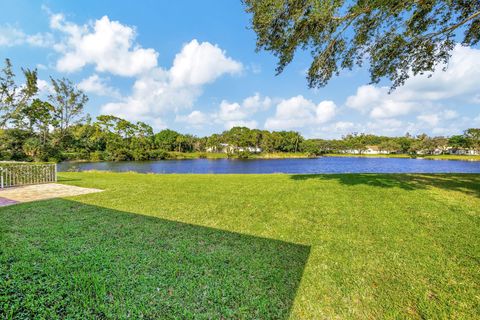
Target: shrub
{"x": 121, "y": 154}
{"x": 96, "y": 156}
{"x": 244, "y": 155}
{"x": 158, "y": 155}
{"x": 140, "y": 155}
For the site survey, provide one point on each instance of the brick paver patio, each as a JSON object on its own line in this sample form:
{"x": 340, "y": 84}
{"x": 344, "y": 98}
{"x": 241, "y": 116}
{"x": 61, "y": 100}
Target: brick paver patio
{"x": 40, "y": 192}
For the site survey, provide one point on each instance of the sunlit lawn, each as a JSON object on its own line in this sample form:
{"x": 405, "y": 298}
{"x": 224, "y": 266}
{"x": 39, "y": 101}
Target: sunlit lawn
{"x": 246, "y": 246}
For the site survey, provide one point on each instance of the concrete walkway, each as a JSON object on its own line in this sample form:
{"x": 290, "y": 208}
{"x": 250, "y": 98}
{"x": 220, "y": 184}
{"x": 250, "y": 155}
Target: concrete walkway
{"x": 11, "y": 196}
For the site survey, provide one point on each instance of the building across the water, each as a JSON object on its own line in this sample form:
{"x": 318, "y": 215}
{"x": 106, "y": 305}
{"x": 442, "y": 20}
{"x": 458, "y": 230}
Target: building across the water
{"x": 227, "y": 148}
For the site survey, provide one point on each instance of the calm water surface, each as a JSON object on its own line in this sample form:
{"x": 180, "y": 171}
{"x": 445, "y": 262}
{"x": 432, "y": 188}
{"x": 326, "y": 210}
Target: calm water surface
{"x": 316, "y": 165}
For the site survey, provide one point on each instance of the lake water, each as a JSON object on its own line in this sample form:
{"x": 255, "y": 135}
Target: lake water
{"x": 315, "y": 165}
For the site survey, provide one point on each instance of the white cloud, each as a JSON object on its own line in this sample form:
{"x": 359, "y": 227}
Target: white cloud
{"x": 231, "y": 111}
{"x": 392, "y": 108}
{"x": 343, "y": 126}
{"x": 365, "y": 97}
{"x": 237, "y": 114}
{"x": 333, "y": 130}
{"x": 44, "y": 88}
{"x": 11, "y": 36}
{"x": 299, "y": 112}
{"x": 97, "y": 85}
{"x": 158, "y": 91}
{"x": 449, "y": 114}
{"x": 434, "y": 119}
{"x": 201, "y": 63}
{"x": 106, "y": 44}
{"x": 385, "y": 127}
{"x": 325, "y": 111}
{"x": 379, "y": 103}
{"x": 461, "y": 81}
{"x": 430, "y": 119}
{"x": 111, "y": 48}
{"x": 448, "y": 127}
{"x": 462, "y": 77}
{"x": 256, "y": 103}
{"x": 158, "y": 124}
{"x": 195, "y": 118}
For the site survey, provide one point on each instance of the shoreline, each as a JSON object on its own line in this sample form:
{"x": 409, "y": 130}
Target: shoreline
{"x": 407, "y": 156}
{"x": 277, "y": 156}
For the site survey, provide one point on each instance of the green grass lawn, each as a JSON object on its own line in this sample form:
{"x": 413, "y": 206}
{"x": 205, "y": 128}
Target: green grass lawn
{"x": 453, "y": 157}
{"x": 359, "y": 246}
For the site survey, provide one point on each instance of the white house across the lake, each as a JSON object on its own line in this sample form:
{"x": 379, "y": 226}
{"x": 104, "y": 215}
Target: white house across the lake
{"x": 462, "y": 151}
{"x": 367, "y": 150}
{"x": 227, "y": 148}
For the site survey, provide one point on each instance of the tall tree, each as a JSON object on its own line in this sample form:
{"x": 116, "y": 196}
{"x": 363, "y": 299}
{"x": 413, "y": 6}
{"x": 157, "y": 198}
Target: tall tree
{"x": 473, "y": 136}
{"x": 68, "y": 102}
{"x": 26, "y": 94}
{"x": 14, "y": 98}
{"x": 397, "y": 38}
{"x": 166, "y": 139}
{"x": 38, "y": 116}
{"x": 214, "y": 142}
{"x": 8, "y": 90}
{"x": 458, "y": 141}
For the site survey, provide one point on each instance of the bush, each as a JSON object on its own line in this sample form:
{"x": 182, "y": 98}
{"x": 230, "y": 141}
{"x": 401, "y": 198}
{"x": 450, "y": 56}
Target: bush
{"x": 313, "y": 155}
{"x": 244, "y": 155}
{"x": 121, "y": 154}
{"x": 310, "y": 147}
{"x": 141, "y": 155}
{"x": 69, "y": 155}
{"x": 97, "y": 156}
{"x": 158, "y": 155}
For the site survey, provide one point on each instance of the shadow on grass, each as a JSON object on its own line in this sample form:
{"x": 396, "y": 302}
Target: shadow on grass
{"x": 465, "y": 183}
{"x": 65, "y": 259}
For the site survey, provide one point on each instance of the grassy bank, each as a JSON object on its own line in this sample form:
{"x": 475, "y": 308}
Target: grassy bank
{"x": 453, "y": 157}
{"x": 360, "y": 246}
{"x": 212, "y": 155}
{"x": 196, "y": 155}
{"x": 429, "y": 157}
{"x": 351, "y": 155}
{"x": 173, "y": 155}
{"x": 301, "y": 155}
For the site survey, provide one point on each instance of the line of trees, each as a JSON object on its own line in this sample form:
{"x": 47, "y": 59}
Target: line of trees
{"x": 56, "y": 129}
{"x": 31, "y": 128}
{"x": 408, "y": 144}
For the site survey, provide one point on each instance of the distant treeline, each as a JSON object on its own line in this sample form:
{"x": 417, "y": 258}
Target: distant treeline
{"x": 56, "y": 129}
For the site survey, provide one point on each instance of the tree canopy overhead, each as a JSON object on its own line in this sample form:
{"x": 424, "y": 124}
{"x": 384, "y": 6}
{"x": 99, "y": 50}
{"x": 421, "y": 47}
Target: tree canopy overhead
{"x": 397, "y": 38}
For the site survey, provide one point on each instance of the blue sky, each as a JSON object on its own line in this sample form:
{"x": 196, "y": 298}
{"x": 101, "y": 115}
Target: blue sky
{"x": 192, "y": 66}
